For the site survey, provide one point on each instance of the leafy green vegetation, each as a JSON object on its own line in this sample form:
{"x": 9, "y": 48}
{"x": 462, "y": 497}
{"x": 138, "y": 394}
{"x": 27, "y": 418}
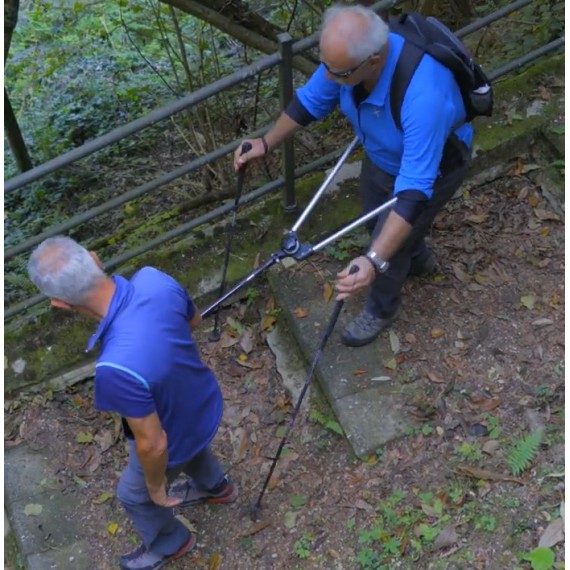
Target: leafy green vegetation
{"x": 523, "y": 452}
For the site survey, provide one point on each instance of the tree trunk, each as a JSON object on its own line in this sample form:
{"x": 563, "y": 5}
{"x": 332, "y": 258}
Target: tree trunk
{"x": 10, "y": 20}
{"x": 14, "y": 136}
{"x": 236, "y": 19}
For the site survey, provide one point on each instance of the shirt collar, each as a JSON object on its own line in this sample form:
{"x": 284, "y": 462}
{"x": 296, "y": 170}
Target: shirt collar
{"x": 121, "y": 296}
{"x": 380, "y": 92}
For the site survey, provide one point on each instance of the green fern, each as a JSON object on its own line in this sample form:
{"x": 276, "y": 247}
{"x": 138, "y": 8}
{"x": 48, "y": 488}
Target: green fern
{"x": 524, "y": 451}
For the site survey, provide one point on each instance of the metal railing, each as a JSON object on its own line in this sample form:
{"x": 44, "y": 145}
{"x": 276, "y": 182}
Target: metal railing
{"x": 283, "y": 59}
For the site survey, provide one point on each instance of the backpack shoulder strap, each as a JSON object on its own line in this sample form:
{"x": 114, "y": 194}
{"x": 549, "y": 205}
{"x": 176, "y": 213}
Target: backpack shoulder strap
{"x": 406, "y": 66}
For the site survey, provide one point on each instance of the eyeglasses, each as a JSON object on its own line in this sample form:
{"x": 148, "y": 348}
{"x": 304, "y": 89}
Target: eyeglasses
{"x": 345, "y": 74}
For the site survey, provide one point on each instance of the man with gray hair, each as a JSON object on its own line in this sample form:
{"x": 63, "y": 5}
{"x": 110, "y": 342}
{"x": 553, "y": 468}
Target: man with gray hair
{"x": 422, "y": 161}
{"x": 149, "y": 371}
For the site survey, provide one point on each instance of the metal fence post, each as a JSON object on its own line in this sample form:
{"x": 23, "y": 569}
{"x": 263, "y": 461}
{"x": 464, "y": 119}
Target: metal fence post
{"x": 285, "y": 95}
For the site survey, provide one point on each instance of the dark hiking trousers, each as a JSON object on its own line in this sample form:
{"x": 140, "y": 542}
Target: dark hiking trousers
{"x": 376, "y": 187}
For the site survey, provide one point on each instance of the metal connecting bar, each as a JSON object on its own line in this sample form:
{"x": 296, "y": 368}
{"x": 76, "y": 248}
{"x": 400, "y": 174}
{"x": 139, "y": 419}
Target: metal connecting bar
{"x": 324, "y": 185}
{"x": 275, "y": 258}
{"x": 482, "y": 22}
{"x": 305, "y": 252}
{"x": 534, "y": 54}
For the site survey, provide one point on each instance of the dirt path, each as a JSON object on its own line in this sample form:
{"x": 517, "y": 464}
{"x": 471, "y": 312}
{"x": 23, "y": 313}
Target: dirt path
{"x": 483, "y": 344}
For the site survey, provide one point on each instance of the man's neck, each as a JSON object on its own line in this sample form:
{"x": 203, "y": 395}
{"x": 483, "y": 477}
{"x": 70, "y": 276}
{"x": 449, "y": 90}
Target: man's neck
{"x": 98, "y": 305}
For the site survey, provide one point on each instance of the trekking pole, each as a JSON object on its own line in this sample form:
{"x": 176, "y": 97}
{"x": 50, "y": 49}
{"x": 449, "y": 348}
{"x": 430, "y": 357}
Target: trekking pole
{"x": 215, "y": 334}
{"x": 256, "y": 508}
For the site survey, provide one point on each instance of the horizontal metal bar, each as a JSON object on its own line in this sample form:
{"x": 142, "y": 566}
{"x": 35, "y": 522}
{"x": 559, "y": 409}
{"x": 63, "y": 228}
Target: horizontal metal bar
{"x": 185, "y": 228}
{"x": 142, "y": 123}
{"x": 534, "y": 54}
{"x": 126, "y": 197}
{"x": 501, "y": 13}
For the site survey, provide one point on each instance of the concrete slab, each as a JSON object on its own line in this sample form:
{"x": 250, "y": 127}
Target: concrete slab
{"x": 368, "y": 402}
{"x": 52, "y": 537}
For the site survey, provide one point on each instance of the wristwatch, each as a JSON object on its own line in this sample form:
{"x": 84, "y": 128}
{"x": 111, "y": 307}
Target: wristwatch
{"x": 380, "y": 266}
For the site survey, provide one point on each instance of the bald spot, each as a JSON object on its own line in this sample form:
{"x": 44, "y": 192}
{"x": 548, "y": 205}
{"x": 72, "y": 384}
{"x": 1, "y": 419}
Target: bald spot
{"x": 342, "y": 31}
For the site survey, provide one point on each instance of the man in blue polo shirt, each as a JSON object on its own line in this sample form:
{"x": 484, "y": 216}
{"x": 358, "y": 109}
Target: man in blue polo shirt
{"x": 149, "y": 371}
{"x": 423, "y": 164}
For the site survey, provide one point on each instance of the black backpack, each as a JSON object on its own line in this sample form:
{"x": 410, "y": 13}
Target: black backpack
{"x": 429, "y": 35}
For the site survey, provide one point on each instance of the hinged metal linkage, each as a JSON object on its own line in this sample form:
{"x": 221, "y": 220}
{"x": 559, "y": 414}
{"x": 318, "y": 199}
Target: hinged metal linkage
{"x": 302, "y": 251}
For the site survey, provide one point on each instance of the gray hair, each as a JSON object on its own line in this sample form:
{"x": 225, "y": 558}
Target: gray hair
{"x": 360, "y": 45}
{"x": 62, "y": 269}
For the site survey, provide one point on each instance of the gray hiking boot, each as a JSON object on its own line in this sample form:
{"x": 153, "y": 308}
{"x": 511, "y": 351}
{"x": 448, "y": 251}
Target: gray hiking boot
{"x": 365, "y": 328}
{"x": 424, "y": 266}
{"x": 143, "y": 559}
{"x": 227, "y": 492}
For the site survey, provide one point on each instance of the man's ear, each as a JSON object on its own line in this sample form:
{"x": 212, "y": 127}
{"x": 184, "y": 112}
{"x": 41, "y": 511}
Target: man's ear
{"x": 96, "y": 259}
{"x": 61, "y": 305}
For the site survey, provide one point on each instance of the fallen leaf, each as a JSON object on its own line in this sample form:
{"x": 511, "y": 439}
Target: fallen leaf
{"x": 242, "y": 357}
{"x": 84, "y": 437}
{"x": 528, "y": 301}
{"x": 246, "y": 341}
{"x": 433, "y": 378}
{"x": 112, "y": 528}
{"x": 460, "y": 273}
{"x": 33, "y": 509}
{"x": 481, "y": 278}
{"x": 103, "y": 498}
{"x": 268, "y": 322}
{"x": 437, "y": 333}
{"x": 300, "y": 312}
{"x": 255, "y": 529}
{"x": 544, "y": 215}
{"x": 359, "y": 372}
{"x": 392, "y": 364}
{"x": 227, "y": 340}
{"x": 215, "y": 561}
{"x": 186, "y": 523}
{"x": 477, "y": 218}
{"x": 290, "y": 519}
{"x": 105, "y": 439}
{"x": 446, "y": 538}
{"x": 490, "y": 447}
{"x": 235, "y": 325}
{"x": 518, "y": 167}
{"x": 533, "y": 201}
{"x": 297, "y": 500}
{"x": 394, "y": 342}
{"x": 490, "y": 404}
{"x": 484, "y": 474}
{"x": 409, "y": 337}
{"x": 553, "y": 534}
{"x": 328, "y": 291}
{"x": 364, "y": 506}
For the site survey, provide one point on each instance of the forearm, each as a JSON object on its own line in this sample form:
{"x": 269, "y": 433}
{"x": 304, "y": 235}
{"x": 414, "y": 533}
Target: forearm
{"x": 393, "y": 235}
{"x": 154, "y": 460}
{"x": 283, "y": 128}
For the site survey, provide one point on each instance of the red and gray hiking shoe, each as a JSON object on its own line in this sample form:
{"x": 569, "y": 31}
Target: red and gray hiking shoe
{"x": 227, "y": 492}
{"x": 143, "y": 559}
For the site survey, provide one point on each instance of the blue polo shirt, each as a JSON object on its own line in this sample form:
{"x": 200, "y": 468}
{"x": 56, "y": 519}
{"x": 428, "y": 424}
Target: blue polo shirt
{"x": 149, "y": 362}
{"x": 431, "y": 108}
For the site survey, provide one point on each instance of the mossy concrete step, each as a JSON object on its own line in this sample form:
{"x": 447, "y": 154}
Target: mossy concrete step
{"x": 368, "y": 401}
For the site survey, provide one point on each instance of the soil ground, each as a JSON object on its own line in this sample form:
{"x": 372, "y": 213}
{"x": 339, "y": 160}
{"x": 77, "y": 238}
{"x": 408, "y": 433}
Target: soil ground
{"x": 483, "y": 344}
